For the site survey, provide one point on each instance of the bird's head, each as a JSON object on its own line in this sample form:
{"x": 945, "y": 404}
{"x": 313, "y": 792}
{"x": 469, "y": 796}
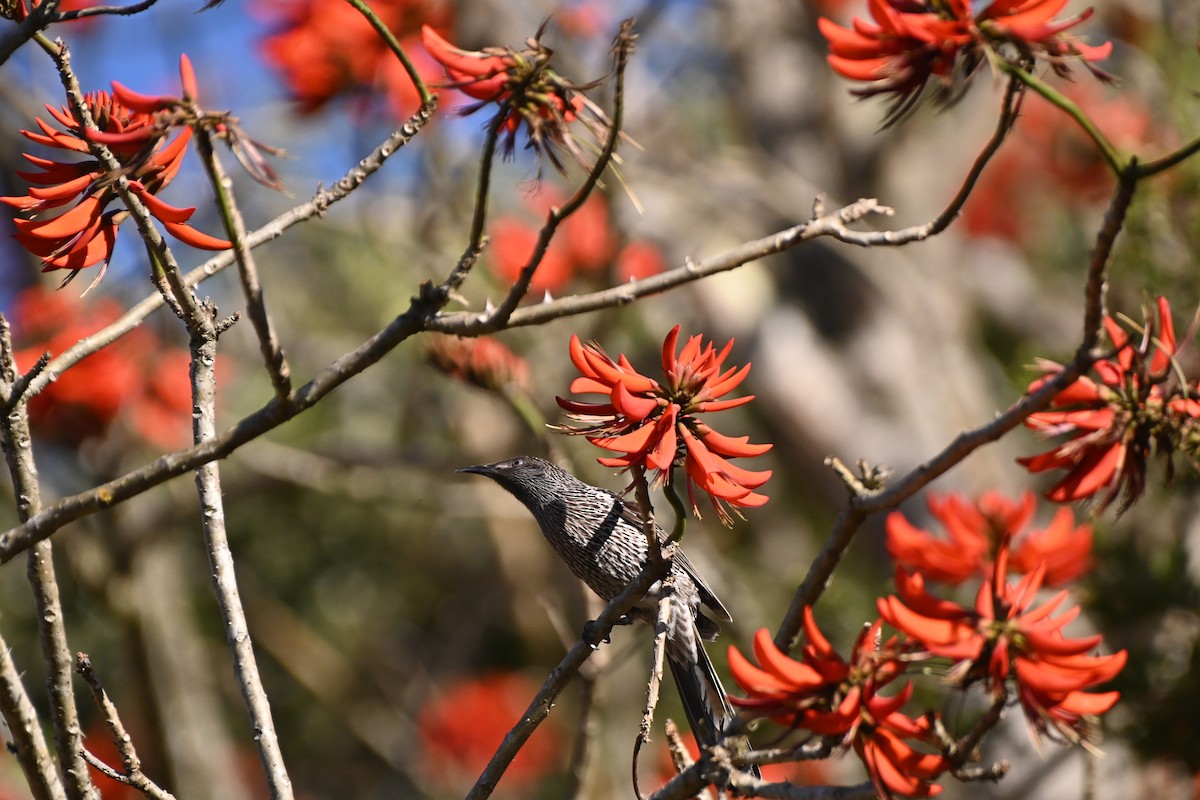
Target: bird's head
{"x": 524, "y": 476}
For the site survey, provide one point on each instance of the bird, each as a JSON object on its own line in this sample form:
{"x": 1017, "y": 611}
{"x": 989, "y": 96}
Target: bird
{"x": 600, "y": 538}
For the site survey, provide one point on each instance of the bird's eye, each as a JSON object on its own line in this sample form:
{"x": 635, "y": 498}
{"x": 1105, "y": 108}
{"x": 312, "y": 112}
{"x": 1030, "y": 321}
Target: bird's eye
{"x": 517, "y": 462}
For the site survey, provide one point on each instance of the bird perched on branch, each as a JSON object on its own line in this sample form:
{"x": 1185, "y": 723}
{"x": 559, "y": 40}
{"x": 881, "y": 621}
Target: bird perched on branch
{"x": 600, "y": 537}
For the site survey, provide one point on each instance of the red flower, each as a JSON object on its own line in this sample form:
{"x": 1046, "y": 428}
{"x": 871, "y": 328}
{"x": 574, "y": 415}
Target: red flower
{"x": 1113, "y": 421}
{"x": 325, "y": 48}
{"x": 584, "y": 245}
{"x": 482, "y": 361}
{"x": 911, "y": 41}
{"x": 1004, "y": 636}
{"x": 824, "y": 694}
{"x": 461, "y": 728}
{"x": 524, "y": 89}
{"x": 655, "y": 425}
{"x": 85, "y": 234}
{"x": 978, "y": 530}
{"x": 135, "y": 378}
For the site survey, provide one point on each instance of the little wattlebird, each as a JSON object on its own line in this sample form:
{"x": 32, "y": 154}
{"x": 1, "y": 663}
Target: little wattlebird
{"x": 600, "y": 537}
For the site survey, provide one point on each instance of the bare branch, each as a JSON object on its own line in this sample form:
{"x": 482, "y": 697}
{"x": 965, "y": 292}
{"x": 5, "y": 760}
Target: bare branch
{"x": 220, "y": 557}
{"x": 116, "y": 11}
{"x": 539, "y": 708}
{"x": 133, "y": 775}
{"x": 40, "y": 16}
{"x": 52, "y": 633}
{"x": 235, "y": 226}
{"x": 473, "y": 323}
{"x": 28, "y": 744}
{"x": 662, "y": 627}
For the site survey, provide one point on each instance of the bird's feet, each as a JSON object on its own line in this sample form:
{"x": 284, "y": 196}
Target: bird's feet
{"x": 592, "y": 635}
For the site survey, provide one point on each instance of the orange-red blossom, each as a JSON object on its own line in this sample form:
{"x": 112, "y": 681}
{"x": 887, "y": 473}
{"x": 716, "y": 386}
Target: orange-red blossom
{"x": 1134, "y": 403}
{"x": 978, "y": 530}
{"x": 908, "y": 42}
{"x": 1006, "y": 636}
{"x": 85, "y": 234}
{"x": 829, "y": 696}
{"x": 520, "y": 83}
{"x": 656, "y": 425}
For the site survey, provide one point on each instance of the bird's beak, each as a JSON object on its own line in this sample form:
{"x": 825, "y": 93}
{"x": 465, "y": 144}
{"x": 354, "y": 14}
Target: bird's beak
{"x": 478, "y": 469}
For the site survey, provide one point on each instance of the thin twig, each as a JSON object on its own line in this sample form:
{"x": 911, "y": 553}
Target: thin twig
{"x": 964, "y": 748}
{"x": 474, "y": 323}
{"x": 19, "y": 713}
{"x": 220, "y": 557}
{"x": 681, "y": 759}
{"x": 116, "y": 11}
{"x": 641, "y": 492}
{"x": 539, "y": 708}
{"x": 28, "y": 744}
{"x": 390, "y": 40}
{"x": 1110, "y": 154}
{"x": 133, "y": 775}
{"x": 662, "y": 628}
{"x": 1151, "y": 168}
{"x": 39, "y": 17}
{"x": 235, "y": 226}
{"x": 476, "y": 241}
{"x": 52, "y": 632}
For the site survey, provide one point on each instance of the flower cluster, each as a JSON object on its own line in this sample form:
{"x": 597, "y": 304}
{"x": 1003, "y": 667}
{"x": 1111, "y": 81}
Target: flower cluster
{"x": 1004, "y": 635}
{"x": 1135, "y": 403}
{"x": 977, "y": 531}
{"x": 136, "y": 379}
{"x": 909, "y": 42}
{"x": 586, "y": 244}
{"x": 655, "y": 425}
{"x": 1005, "y": 642}
{"x": 84, "y": 235}
{"x": 326, "y": 48}
{"x": 828, "y": 696}
{"x": 481, "y": 361}
{"x": 526, "y": 91}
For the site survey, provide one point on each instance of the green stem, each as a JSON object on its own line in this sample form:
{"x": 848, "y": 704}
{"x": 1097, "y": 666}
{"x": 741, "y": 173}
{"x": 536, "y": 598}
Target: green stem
{"x": 1166, "y": 162}
{"x": 394, "y": 46}
{"x": 676, "y": 506}
{"x": 1115, "y": 160}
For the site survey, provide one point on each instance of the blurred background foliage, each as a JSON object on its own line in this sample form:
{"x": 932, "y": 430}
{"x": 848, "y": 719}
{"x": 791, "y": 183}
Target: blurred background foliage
{"x": 405, "y": 614}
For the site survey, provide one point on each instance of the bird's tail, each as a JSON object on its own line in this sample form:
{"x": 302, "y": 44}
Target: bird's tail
{"x": 704, "y": 701}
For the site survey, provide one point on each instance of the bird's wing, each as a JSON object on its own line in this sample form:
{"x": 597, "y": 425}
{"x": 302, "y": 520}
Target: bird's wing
{"x": 708, "y": 598}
